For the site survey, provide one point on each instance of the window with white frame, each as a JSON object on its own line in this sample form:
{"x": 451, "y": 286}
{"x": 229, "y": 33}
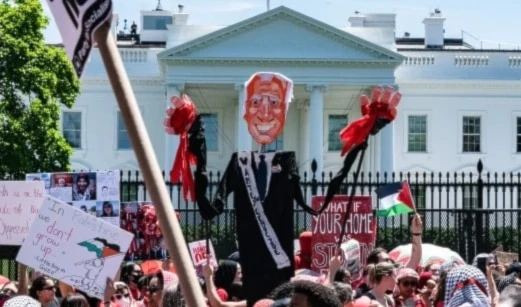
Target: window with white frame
{"x": 211, "y": 128}
{"x": 129, "y": 191}
{"x": 518, "y": 134}
{"x": 276, "y": 145}
{"x": 471, "y": 134}
{"x": 71, "y": 128}
{"x": 418, "y": 193}
{"x": 335, "y": 123}
{"x": 417, "y": 133}
{"x": 123, "y": 140}
{"x": 470, "y": 197}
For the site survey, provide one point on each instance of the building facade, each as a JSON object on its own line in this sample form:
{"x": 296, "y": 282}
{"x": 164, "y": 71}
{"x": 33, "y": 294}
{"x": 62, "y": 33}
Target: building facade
{"x": 459, "y": 104}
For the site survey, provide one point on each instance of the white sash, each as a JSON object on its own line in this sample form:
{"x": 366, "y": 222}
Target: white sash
{"x": 268, "y": 234}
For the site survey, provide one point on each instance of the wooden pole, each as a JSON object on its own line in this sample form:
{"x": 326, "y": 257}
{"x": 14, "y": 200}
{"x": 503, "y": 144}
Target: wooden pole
{"x": 149, "y": 166}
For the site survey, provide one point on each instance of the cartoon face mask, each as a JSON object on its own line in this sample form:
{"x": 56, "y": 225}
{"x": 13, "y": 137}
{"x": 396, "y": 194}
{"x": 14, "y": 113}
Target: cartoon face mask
{"x": 268, "y": 96}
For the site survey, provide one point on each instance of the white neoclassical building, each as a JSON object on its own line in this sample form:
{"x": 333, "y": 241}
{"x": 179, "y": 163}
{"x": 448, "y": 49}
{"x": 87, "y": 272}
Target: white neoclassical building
{"x": 460, "y": 103}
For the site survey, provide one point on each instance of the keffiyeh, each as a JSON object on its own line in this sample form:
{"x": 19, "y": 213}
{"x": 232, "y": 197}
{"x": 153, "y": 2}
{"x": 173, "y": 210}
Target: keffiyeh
{"x": 466, "y": 285}
{"x": 22, "y": 301}
{"x": 169, "y": 279}
{"x": 507, "y": 281}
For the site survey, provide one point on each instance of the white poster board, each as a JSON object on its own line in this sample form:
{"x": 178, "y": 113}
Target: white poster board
{"x": 19, "y": 204}
{"x": 198, "y": 253}
{"x": 74, "y": 247}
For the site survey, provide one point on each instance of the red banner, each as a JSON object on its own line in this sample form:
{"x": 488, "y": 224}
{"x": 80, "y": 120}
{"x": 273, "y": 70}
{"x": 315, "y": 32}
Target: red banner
{"x": 326, "y": 228}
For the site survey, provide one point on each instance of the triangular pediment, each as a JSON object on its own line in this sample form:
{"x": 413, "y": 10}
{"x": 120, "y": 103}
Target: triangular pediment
{"x": 282, "y": 34}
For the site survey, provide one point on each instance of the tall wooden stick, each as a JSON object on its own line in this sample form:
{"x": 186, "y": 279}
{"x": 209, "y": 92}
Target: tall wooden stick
{"x": 350, "y": 200}
{"x": 149, "y": 166}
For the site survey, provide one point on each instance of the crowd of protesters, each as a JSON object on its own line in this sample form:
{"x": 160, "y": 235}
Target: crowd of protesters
{"x": 384, "y": 283}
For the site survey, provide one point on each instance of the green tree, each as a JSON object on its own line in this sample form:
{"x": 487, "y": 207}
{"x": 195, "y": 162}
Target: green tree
{"x": 35, "y": 79}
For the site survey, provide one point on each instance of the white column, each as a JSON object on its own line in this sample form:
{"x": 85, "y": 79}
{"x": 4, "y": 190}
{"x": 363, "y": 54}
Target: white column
{"x": 316, "y": 123}
{"x": 244, "y": 139}
{"x": 303, "y": 155}
{"x": 387, "y": 148}
{"x": 171, "y": 141}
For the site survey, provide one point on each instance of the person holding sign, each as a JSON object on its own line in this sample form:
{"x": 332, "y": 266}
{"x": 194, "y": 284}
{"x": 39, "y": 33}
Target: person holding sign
{"x": 43, "y": 290}
{"x": 265, "y": 184}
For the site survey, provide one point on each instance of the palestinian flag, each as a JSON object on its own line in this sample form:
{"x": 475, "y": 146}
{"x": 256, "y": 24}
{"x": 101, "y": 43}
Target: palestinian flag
{"x": 395, "y": 198}
{"x": 101, "y": 247}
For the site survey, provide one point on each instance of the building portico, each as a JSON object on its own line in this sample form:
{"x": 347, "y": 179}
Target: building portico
{"x": 335, "y": 67}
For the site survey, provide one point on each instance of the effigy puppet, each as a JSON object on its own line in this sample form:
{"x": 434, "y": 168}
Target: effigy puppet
{"x": 265, "y": 185}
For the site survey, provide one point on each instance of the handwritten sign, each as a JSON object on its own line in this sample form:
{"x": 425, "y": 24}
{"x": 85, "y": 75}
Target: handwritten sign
{"x": 74, "y": 247}
{"x": 19, "y": 204}
{"x": 326, "y": 228}
{"x": 199, "y": 254}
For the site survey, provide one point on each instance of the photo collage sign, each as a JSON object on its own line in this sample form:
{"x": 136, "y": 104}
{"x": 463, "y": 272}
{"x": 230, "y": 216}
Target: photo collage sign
{"x": 96, "y": 193}
{"x": 139, "y": 218}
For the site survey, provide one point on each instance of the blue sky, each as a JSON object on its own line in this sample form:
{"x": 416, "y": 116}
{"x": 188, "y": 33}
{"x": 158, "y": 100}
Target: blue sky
{"x": 497, "y": 21}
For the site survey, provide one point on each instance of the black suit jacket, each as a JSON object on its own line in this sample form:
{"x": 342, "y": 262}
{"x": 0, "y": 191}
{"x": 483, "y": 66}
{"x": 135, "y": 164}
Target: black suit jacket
{"x": 278, "y": 207}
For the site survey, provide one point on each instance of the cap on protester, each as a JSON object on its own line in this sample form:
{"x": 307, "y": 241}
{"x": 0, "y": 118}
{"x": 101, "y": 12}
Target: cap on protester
{"x": 266, "y": 302}
{"x": 514, "y": 268}
{"x": 407, "y": 273}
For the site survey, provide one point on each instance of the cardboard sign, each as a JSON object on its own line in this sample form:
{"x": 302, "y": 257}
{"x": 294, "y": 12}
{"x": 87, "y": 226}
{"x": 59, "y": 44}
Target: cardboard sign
{"x": 326, "y": 228}
{"x": 77, "y": 21}
{"x": 19, "y": 205}
{"x": 506, "y": 258}
{"x": 74, "y": 247}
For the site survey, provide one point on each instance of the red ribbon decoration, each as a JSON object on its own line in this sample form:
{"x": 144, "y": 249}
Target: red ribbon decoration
{"x": 382, "y": 105}
{"x": 179, "y": 119}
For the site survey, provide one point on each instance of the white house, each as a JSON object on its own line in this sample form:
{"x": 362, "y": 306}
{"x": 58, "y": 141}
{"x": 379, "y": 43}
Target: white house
{"x": 459, "y": 104}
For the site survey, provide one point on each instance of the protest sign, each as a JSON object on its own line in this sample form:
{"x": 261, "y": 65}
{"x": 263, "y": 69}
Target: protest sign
{"x": 77, "y": 22}
{"x": 506, "y": 258}
{"x": 74, "y": 247}
{"x": 199, "y": 255}
{"x": 19, "y": 204}
{"x": 327, "y": 227}
{"x": 96, "y": 193}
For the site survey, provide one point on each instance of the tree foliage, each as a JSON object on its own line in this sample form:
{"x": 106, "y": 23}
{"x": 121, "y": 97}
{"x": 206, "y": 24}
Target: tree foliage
{"x": 35, "y": 79}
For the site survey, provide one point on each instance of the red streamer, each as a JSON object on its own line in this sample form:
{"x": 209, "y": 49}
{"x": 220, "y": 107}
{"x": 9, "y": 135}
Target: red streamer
{"x": 382, "y": 105}
{"x": 180, "y": 118}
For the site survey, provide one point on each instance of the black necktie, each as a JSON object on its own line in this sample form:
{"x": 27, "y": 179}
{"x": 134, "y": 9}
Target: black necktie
{"x": 262, "y": 174}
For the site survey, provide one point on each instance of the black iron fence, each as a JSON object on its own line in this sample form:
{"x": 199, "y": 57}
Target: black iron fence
{"x": 468, "y": 212}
